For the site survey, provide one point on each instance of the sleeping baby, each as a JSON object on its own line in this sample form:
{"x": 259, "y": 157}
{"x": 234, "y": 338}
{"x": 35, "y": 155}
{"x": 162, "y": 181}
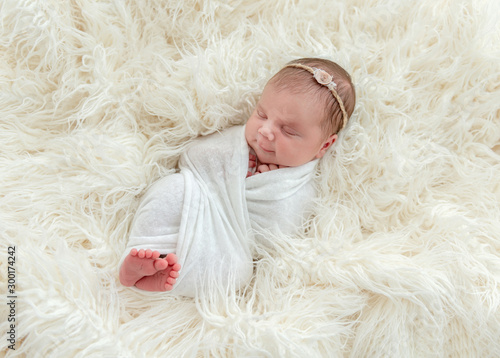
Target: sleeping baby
{"x": 195, "y": 228}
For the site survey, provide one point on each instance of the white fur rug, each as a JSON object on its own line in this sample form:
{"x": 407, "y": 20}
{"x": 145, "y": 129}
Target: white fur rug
{"x": 402, "y": 259}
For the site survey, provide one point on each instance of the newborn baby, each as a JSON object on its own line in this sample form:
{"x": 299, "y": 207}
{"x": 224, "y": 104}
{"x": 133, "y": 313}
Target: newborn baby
{"x": 195, "y": 228}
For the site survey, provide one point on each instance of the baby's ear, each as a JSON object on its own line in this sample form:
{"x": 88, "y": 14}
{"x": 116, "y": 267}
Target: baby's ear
{"x": 326, "y": 144}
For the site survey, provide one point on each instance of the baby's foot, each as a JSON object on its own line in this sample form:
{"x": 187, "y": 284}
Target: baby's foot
{"x": 162, "y": 280}
{"x": 140, "y": 263}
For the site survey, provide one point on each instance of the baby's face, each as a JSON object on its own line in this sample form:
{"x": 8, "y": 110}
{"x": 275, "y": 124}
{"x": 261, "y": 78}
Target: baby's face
{"x": 285, "y": 128}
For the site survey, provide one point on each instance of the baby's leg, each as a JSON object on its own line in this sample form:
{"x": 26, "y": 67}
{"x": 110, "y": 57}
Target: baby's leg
{"x": 155, "y": 231}
{"x": 146, "y": 270}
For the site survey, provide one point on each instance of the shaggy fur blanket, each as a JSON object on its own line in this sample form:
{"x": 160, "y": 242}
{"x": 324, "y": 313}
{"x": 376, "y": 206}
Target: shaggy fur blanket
{"x": 401, "y": 257}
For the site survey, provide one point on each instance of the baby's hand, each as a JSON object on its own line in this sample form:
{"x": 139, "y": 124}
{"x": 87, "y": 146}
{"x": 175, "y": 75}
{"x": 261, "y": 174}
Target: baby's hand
{"x": 252, "y": 161}
{"x": 262, "y": 168}
{"x": 268, "y": 167}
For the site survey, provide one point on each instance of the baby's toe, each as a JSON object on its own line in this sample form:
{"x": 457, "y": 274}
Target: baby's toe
{"x": 160, "y": 264}
{"x": 176, "y": 267}
{"x": 171, "y": 280}
{"x": 141, "y": 253}
{"x": 171, "y": 259}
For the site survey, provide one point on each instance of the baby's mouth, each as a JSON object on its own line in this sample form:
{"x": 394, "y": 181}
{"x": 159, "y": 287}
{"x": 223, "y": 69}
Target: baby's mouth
{"x": 264, "y": 148}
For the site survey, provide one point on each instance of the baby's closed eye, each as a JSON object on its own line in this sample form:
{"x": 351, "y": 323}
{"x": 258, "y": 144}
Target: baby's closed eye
{"x": 288, "y": 131}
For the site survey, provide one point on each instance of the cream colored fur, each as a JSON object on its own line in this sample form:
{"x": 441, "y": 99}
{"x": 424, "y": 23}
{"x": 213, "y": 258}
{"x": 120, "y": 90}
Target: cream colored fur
{"x": 402, "y": 258}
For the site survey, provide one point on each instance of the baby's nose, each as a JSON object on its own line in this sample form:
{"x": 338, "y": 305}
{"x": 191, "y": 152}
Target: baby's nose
{"x": 266, "y": 132}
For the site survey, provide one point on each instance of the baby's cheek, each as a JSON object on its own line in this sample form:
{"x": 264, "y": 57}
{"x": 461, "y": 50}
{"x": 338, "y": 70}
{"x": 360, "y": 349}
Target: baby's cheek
{"x": 295, "y": 156}
{"x": 288, "y": 155}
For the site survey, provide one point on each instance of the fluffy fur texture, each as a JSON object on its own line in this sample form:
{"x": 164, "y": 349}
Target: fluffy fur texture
{"x": 402, "y": 257}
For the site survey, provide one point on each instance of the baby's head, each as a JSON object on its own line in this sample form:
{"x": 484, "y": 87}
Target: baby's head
{"x": 300, "y": 112}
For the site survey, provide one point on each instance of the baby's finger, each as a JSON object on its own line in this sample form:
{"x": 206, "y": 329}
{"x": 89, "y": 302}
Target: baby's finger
{"x": 252, "y": 156}
{"x": 263, "y": 168}
{"x": 273, "y": 167}
{"x": 252, "y": 163}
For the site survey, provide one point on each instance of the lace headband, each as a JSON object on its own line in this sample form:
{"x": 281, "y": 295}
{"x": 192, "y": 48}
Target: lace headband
{"x": 325, "y": 79}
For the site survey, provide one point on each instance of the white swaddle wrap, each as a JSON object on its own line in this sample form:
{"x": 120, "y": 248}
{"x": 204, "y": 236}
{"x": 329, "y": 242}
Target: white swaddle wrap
{"x": 221, "y": 210}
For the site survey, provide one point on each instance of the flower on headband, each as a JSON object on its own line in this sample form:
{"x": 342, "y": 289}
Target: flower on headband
{"x": 323, "y": 77}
